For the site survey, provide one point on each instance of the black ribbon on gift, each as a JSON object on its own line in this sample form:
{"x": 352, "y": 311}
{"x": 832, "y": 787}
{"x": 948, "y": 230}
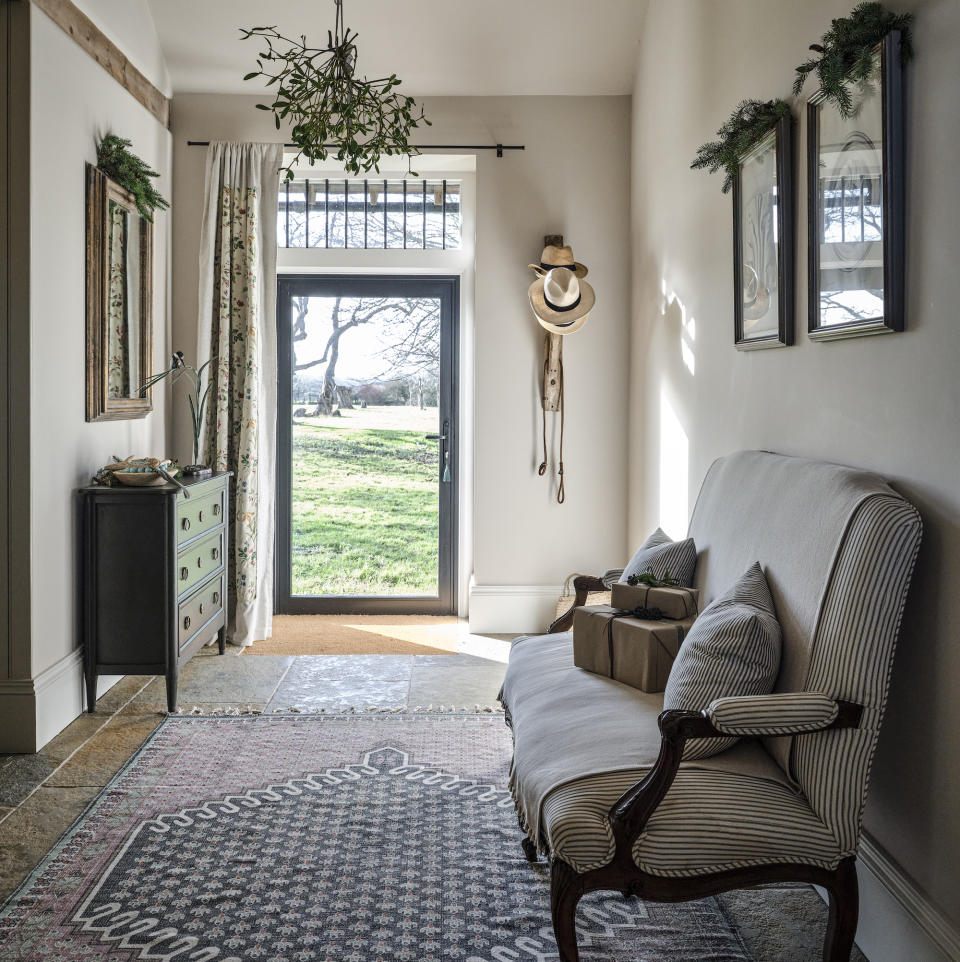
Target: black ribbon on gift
{"x": 645, "y": 614}
{"x": 655, "y": 614}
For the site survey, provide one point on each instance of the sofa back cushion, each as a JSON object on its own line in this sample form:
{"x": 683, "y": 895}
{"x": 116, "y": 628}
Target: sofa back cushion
{"x": 663, "y": 557}
{"x": 838, "y": 547}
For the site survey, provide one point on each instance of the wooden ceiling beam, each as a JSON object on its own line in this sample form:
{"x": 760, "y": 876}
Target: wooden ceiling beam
{"x": 101, "y": 48}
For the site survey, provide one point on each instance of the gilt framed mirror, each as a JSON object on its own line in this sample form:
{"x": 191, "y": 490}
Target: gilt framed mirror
{"x": 119, "y": 302}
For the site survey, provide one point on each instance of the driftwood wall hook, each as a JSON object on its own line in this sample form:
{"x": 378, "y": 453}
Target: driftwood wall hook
{"x": 561, "y": 301}
{"x": 552, "y": 387}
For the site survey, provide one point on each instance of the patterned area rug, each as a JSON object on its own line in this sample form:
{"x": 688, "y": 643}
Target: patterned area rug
{"x": 386, "y": 838}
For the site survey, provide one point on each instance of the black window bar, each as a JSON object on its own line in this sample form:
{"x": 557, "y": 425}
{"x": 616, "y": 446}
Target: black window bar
{"x": 395, "y": 207}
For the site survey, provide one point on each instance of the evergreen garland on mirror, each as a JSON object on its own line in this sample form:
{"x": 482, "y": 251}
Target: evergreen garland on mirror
{"x": 747, "y": 126}
{"x": 846, "y": 52}
{"x": 328, "y": 106}
{"x": 125, "y": 168}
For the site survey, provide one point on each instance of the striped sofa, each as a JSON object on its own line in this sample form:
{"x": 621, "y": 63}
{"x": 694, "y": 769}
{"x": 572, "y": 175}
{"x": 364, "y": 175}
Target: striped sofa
{"x": 597, "y": 775}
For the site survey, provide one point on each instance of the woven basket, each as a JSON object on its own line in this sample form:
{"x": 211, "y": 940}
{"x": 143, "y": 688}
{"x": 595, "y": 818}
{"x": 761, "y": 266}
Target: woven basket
{"x": 568, "y": 597}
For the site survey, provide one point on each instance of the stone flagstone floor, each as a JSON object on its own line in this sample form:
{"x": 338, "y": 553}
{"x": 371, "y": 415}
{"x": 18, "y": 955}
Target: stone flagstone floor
{"x": 41, "y": 795}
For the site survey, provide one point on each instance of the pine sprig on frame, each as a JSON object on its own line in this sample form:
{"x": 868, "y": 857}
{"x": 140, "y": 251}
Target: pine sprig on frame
{"x": 126, "y": 169}
{"x": 748, "y": 124}
{"x": 846, "y": 52}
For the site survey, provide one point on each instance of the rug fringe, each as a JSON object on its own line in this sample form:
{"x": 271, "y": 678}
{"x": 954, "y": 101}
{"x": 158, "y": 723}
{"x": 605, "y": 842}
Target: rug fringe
{"x": 346, "y": 710}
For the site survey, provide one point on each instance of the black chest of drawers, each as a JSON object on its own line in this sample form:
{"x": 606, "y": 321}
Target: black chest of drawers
{"x": 154, "y": 578}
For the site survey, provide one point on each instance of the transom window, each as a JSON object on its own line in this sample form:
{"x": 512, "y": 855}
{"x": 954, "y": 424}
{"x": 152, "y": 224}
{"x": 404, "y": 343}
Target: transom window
{"x": 420, "y": 213}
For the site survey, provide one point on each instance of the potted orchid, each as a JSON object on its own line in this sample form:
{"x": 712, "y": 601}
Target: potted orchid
{"x": 197, "y": 398}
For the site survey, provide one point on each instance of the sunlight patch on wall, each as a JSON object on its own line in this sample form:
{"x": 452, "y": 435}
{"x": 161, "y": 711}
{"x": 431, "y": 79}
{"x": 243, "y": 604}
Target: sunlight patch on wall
{"x": 674, "y": 470}
{"x": 688, "y": 336}
{"x": 672, "y": 307}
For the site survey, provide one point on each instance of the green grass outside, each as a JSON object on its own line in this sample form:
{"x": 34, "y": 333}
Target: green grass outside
{"x": 364, "y": 510}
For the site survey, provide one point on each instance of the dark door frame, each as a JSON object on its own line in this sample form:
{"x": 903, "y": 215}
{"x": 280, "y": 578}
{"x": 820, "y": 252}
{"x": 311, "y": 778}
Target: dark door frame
{"x": 447, "y": 289}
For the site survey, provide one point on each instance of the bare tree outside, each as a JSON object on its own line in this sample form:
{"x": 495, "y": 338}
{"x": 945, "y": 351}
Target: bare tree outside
{"x": 410, "y": 351}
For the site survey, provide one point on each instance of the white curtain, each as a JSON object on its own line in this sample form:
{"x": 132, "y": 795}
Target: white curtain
{"x": 238, "y": 327}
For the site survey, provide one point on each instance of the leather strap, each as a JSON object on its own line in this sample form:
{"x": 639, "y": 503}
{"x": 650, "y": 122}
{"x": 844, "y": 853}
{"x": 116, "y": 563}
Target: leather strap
{"x": 542, "y": 470}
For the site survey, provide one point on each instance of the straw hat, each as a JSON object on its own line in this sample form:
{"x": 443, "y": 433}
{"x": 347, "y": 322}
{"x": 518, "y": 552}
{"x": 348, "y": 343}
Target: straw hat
{"x": 561, "y": 302}
{"x": 558, "y": 257}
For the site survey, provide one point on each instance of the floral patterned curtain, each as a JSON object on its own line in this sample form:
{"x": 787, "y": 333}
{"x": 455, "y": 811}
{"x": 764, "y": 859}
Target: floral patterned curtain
{"x": 238, "y": 282}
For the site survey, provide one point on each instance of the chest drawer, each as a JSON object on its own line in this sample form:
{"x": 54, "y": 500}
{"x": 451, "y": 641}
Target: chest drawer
{"x": 199, "y": 560}
{"x": 199, "y": 514}
{"x": 198, "y": 609}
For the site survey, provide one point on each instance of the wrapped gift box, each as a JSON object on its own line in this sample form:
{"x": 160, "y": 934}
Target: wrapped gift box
{"x": 633, "y": 651}
{"x": 676, "y": 603}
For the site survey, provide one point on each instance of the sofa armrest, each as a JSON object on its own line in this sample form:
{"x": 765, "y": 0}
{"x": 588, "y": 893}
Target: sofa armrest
{"x": 631, "y": 812}
{"x": 786, "y": 714}
{"x": 582, "y": 586}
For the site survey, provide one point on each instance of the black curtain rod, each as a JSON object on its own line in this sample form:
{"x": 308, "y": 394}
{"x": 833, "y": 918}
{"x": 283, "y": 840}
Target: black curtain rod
{"x": 499, "y": 148}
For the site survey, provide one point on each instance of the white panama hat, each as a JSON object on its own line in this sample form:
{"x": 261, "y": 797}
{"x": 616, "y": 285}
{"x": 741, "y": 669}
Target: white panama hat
{"x": 561, "y": 301}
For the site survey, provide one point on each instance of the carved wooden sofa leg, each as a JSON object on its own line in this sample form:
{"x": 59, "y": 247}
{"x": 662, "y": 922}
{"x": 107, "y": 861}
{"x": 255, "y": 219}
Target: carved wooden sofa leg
{"x": 566, "y": 888}
{"x": 844, "y": 910}
{"x": 628, "y": 818}
{"x": 529, "y": 849}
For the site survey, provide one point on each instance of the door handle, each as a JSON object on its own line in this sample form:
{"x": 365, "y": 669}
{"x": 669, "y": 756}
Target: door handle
{"x": 444, "y": 451}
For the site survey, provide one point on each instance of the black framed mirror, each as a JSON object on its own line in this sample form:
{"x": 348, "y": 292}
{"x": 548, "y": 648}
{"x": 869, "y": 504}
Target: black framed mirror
{"x": 763, "y": 249}
{"x": 855, "y": 197}
{"x": 119, "y": 302}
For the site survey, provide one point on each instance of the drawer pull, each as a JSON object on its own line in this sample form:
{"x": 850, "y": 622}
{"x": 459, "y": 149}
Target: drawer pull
{"x": 216, "y": 553}
{"x": 184, "y": 574}
{"x": 216, "y": 510}
{"x": 200, "y": 561}
{"x": 200, "y": 516}
{"x": 186, "y": 623}
{"x": 216, "y": 597}
{"x": 200, "y": 609}
{"x": 185, "y": 524}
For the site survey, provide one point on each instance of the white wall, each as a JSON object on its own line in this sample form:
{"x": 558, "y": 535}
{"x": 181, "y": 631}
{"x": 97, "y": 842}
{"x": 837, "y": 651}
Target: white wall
{"x": 74, "y": 102}
{"x": 129, "y": 24}
{"x": 572, "y": 178}
{"x": 889, "y": 403}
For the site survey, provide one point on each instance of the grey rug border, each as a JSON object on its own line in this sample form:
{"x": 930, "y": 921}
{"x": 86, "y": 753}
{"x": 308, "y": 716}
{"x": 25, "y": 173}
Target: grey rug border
{"x": 170, "y": 719}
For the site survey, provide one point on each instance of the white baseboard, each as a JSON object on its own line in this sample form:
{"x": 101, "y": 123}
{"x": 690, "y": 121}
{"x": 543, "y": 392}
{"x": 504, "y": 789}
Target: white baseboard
{"x": 506, "y": 609}
{"x": 34, "y": 710}
{"x": 898, "y": 922}
{"x": 58, "y": 694}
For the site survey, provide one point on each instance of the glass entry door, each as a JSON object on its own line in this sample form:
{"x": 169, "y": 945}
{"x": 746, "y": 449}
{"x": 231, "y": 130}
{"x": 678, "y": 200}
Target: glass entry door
{"x": 366, "y": 444}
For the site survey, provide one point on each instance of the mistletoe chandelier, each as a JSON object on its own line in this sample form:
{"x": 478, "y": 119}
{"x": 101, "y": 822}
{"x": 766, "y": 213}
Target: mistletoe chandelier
{"x": 328, "y": 106}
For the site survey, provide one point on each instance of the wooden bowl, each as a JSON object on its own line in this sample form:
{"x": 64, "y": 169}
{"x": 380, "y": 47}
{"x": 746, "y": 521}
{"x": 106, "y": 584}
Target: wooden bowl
{"x": 139, "y": 479}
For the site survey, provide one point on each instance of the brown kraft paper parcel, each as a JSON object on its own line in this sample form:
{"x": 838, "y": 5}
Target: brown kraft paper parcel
{"x": 674, "y": 603}
{"x": 630, "y": 650}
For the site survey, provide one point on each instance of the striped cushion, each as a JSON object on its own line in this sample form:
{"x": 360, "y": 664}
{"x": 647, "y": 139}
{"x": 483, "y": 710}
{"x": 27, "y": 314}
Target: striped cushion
{"x": 611, "y": 576}
{"x": 709, "y": 821}
{"x": 788, "y": 714}
{"x": 660, "y": 555}
{"x": 733, "y": 649}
